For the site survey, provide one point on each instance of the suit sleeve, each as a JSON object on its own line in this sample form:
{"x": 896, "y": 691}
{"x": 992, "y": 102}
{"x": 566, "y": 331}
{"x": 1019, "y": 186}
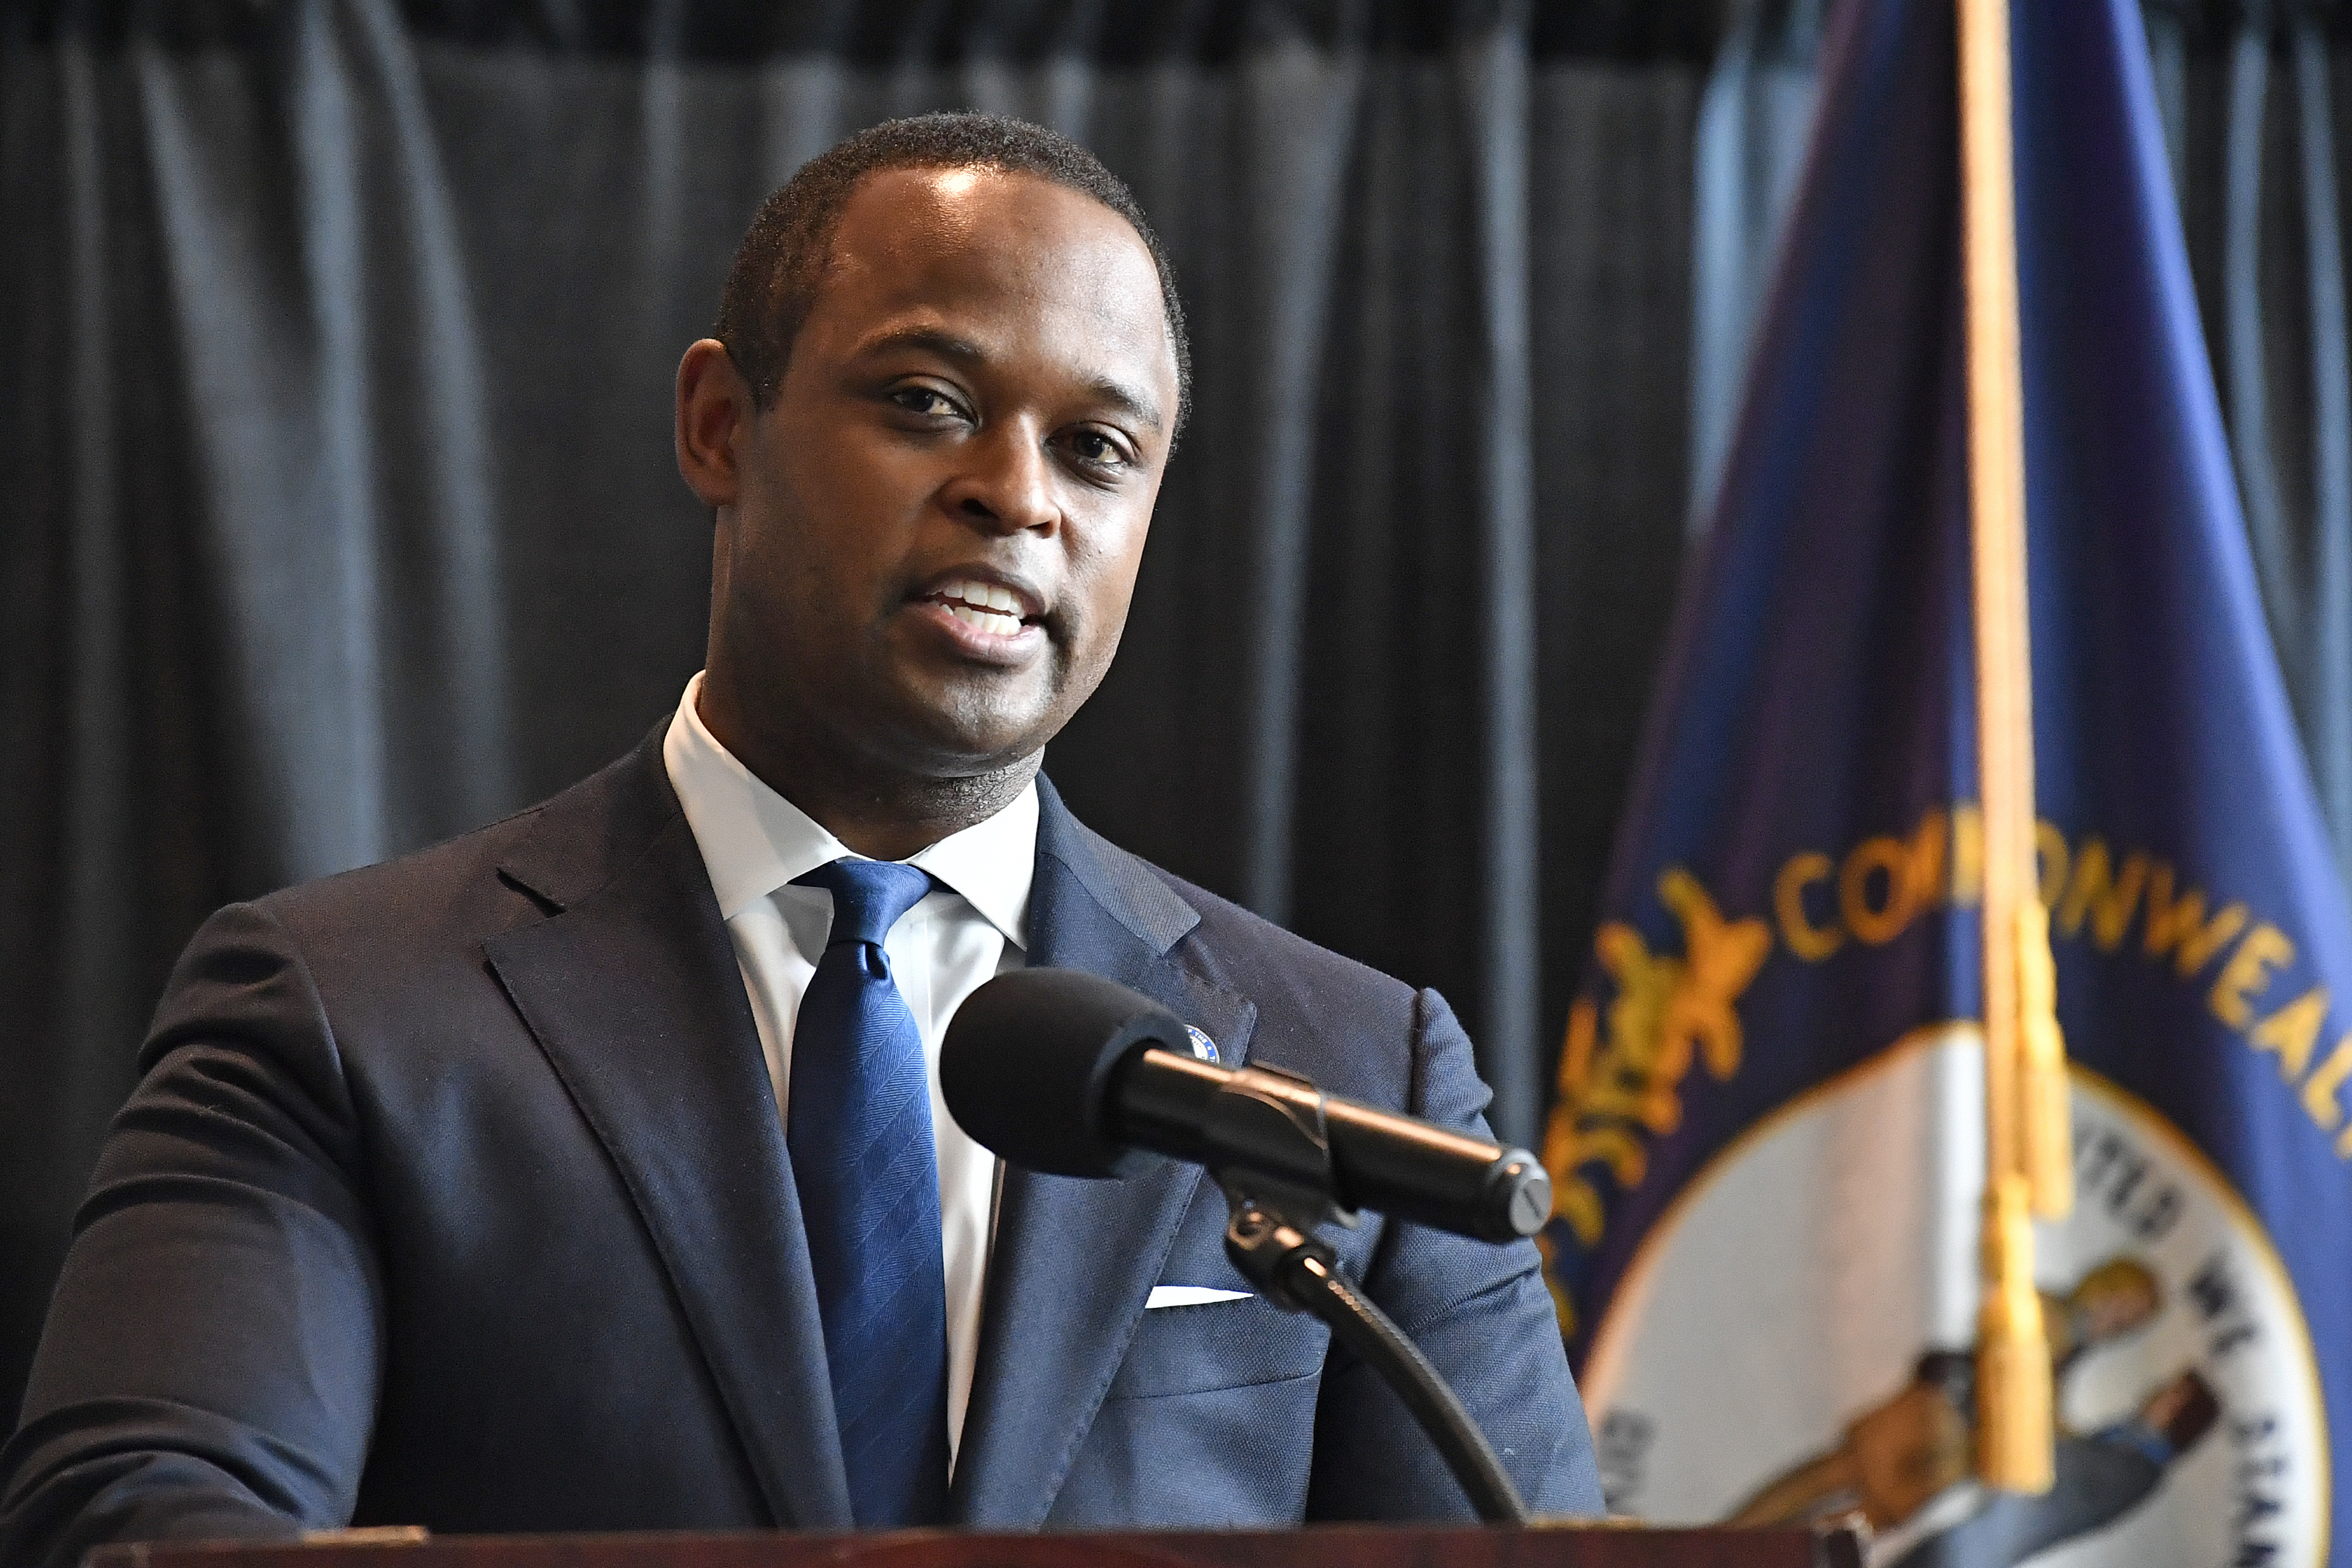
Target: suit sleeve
{"x": 210, "y": 1361}
{"x": 1483, "y": 1317}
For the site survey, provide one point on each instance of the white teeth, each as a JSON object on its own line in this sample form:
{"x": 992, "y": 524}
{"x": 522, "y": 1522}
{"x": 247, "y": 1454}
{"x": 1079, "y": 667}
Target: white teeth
{"x": 986, "y": 621}
{"x": 989, "y": 608}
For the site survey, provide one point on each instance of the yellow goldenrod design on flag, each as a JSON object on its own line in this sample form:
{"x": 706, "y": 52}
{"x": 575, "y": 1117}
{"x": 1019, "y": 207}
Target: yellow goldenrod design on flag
{"x": 1668, "y": 1013}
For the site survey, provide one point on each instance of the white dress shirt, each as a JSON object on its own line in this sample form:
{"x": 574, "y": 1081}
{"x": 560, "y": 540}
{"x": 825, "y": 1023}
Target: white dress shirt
{"x": 754, "y": 842}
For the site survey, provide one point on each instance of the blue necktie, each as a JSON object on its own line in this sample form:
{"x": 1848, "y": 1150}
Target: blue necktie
{"x": 859, "y": 1129}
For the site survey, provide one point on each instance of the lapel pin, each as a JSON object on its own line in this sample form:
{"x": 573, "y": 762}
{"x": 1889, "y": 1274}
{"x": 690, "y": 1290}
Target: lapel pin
{"x": 1203, "y": 1046}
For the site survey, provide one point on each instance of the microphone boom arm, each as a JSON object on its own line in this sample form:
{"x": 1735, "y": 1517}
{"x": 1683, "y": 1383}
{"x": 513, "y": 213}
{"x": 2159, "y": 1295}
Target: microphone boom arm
{"x": 1271, "y": 1239}
{"x": 1294, "y": 1270}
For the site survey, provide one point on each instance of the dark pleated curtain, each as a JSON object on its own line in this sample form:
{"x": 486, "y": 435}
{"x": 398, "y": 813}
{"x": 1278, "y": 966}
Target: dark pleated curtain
{"x": 339, "y": 512}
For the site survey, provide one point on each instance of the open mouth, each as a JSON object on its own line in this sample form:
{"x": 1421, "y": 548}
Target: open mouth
{"x": 987, "y": 608}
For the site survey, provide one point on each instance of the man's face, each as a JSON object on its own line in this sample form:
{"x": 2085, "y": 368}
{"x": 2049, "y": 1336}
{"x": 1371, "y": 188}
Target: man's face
{"x": 936, "y": 526}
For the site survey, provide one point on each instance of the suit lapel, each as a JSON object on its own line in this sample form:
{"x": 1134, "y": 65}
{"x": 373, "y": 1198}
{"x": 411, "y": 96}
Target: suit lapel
{"x": 1074, "y": 1261}
{"x": 633, "y": 992}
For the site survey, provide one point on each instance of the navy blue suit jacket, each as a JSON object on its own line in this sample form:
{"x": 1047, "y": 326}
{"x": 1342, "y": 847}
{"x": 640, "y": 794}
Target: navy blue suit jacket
{"x": 454, "y": 1193}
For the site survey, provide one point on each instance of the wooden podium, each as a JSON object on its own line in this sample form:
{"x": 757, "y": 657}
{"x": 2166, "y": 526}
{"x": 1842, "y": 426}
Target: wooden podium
{"x": 1319, "y": 1546}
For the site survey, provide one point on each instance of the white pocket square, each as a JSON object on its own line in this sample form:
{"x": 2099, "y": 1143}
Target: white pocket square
{"x": 1188, "y": 1296}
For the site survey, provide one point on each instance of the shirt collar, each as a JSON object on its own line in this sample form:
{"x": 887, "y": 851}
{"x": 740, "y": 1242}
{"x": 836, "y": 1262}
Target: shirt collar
{"x": 754, "y": 840}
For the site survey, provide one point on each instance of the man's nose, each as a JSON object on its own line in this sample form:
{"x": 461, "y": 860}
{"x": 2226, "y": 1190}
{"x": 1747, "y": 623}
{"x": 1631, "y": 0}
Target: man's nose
{"x": 1007, "y": 485}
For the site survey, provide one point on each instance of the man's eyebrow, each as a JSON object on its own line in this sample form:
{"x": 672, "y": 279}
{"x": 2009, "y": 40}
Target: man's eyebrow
{"x": 946, "y": 345}
{"x": 1136, "y": 404}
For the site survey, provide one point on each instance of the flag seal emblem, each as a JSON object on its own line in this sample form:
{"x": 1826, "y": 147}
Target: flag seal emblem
{"x": 2191, "y": 1420}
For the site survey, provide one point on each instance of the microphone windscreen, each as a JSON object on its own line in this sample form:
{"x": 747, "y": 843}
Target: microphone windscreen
{"x": 1028, "y": 1064}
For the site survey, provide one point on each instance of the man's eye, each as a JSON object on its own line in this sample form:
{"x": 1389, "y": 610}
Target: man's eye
{"x": 1093, "y": 446}
{"x": 927, "y": 400}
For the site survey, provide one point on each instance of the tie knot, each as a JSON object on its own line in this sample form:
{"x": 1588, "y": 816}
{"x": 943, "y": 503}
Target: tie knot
{"x": 868, "y": 896}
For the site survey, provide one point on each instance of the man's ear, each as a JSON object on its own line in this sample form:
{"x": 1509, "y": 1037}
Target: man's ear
{"x": 714, "y": 407}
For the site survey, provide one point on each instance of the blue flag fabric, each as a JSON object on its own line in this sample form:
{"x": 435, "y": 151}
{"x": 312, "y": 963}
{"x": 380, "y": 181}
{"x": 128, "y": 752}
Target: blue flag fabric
{"x": 1768, "y": 1141}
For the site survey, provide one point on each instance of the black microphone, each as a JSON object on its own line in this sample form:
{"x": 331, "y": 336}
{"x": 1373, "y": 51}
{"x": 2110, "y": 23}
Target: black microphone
{"x": 1072, "y": 1074}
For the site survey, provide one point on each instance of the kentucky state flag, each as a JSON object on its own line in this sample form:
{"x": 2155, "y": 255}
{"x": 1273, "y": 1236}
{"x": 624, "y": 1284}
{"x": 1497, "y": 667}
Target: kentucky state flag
{"x": 1769, "y": 1145}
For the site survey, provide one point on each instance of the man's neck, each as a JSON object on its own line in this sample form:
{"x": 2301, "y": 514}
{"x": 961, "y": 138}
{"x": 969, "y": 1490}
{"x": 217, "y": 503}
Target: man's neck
{"x": 882, "y": 814}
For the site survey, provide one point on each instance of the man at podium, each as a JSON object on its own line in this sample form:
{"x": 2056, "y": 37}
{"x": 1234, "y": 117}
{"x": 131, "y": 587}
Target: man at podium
{"x": 590, "y": 1171}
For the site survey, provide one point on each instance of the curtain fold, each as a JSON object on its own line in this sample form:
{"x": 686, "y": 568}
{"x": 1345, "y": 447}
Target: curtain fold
{"x": 1754, "y": 122}
{"x": 1491, "y": 81}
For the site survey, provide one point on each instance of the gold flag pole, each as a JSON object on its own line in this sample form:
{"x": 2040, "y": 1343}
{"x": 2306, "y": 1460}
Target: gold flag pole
{"x": 2028, "y": 1162}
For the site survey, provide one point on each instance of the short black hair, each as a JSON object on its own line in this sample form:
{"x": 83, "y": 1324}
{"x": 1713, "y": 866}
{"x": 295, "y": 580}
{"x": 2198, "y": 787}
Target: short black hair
{"x": 773, "y": 281}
